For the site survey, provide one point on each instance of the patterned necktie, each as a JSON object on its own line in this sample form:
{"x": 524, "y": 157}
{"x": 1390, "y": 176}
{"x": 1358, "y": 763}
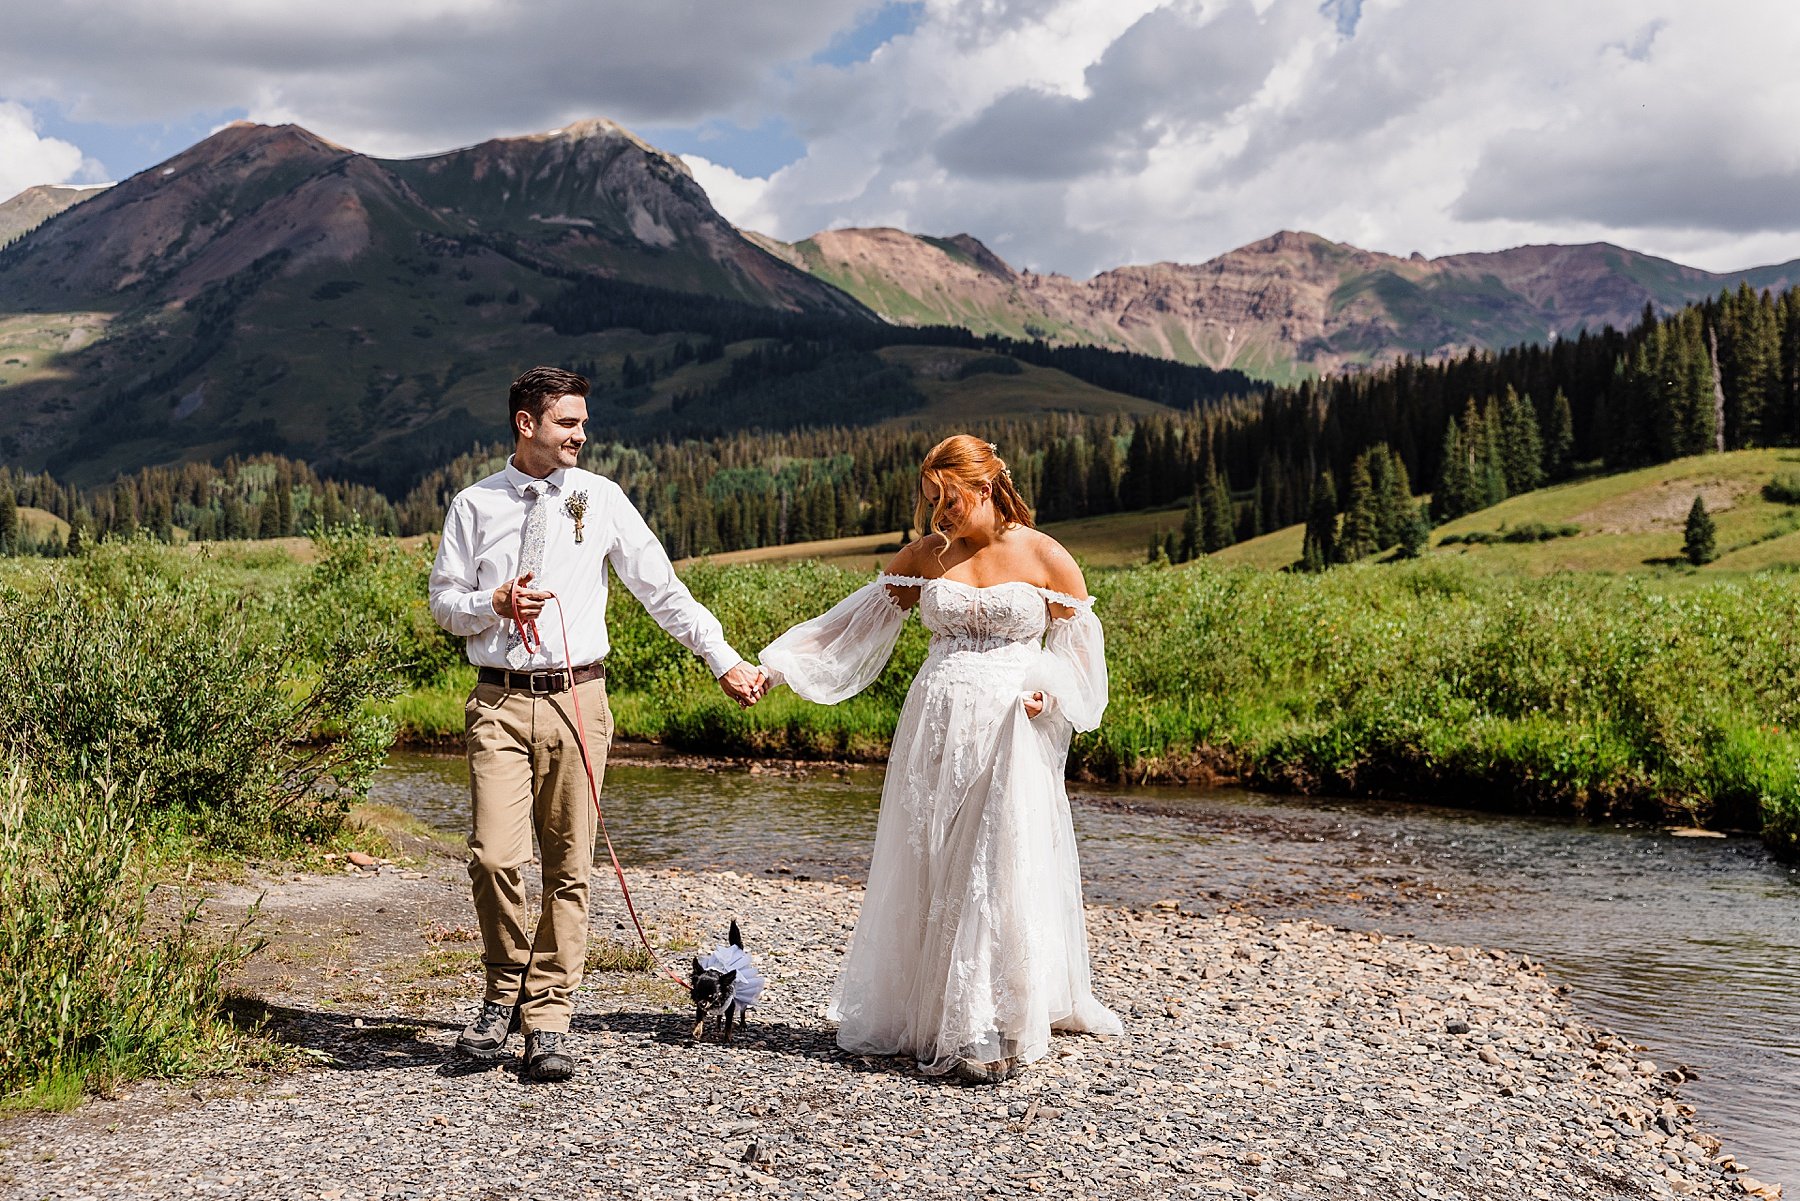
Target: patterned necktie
{"x": 531, "y": 558}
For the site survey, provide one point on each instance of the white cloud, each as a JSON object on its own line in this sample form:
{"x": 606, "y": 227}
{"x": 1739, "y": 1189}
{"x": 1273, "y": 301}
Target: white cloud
{"x": 412, "y": 76}
{"x": 1070, "y": 134}
{"x": 1178, "y": 131}
{"x": 27, "y": 159}
{"x": 738, "y": 197}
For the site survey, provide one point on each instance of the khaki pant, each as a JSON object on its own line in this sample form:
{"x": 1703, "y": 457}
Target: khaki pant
{"x": 526, "y": 777}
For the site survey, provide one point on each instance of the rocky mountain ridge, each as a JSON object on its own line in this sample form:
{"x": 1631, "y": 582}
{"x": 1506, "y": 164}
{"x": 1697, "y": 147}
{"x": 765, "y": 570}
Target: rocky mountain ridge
{"x": 1291, "y": 304}
{"x": 36, "y": 205}
{"x": 267, "y": 289}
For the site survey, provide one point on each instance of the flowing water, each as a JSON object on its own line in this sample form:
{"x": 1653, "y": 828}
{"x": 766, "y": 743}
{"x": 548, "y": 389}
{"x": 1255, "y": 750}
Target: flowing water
{"x": 1689, "y": 946}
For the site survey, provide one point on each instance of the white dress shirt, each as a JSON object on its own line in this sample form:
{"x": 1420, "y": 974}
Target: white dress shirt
{"x": 483, "y": 533}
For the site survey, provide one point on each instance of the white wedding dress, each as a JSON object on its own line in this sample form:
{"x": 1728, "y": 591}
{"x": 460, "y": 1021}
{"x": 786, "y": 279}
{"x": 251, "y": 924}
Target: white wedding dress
{"x": 971, "y": 943}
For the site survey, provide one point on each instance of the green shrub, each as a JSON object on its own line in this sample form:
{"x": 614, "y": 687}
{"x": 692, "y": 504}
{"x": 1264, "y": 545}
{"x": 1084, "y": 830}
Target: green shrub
{"x": 99, "y": 986}
{"x": 216, "y": 702}
{"x": 1784, "y": 489}
{"x": 361, "y": 582}
{"x": 1529, "y": 531}
{"x": 990, "y": 364}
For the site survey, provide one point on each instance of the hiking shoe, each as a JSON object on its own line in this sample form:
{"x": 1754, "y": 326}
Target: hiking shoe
{"x": 547, "y": 1056}
{"x": 485, "y": 1037}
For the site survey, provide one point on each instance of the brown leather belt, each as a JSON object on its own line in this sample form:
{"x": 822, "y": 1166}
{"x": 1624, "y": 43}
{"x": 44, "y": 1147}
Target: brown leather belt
{"x": 541, "y": 683}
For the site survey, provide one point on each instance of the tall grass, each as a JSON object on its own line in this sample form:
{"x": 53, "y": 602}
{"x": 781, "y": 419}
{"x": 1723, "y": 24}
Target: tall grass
{"x": 1588, "y": 695}
{"x": 99, "y": 986}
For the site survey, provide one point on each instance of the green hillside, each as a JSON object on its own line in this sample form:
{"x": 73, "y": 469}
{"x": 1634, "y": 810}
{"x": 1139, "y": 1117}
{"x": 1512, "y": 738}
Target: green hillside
{"x": 1629, "y": 522}
{"x": 953, "y": 397}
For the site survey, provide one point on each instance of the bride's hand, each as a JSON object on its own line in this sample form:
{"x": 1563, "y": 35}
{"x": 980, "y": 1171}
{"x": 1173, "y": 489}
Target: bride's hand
{"x": 1034, "y": 703}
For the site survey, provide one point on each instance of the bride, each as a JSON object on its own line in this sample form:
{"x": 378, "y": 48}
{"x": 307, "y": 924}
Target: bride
{"x": 971, "y": 945}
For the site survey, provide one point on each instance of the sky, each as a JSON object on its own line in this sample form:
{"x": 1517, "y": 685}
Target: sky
{"x": 1069, "y": 135}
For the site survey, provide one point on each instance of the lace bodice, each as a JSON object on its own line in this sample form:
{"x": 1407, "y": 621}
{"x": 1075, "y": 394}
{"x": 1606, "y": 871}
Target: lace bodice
{"x": 1004, "y": 630}
{"x": 969, "y": 617}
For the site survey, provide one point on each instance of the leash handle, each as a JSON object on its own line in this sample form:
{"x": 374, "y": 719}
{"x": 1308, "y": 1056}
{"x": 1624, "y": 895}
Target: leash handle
{"x": 528, "y": 631}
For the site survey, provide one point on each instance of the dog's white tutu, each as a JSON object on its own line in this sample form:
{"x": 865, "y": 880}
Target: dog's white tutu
{"x": 749, "y": 984}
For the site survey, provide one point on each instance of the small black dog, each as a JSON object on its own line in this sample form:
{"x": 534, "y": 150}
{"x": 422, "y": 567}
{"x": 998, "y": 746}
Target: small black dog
{"x": 725, "y": 984}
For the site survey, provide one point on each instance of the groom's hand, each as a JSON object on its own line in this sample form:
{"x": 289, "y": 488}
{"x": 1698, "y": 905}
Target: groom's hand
{"x": 744, "y": 684}
{"x": 516, "y": 599}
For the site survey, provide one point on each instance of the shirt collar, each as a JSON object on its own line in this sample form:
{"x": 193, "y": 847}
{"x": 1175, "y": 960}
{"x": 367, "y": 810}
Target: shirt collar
{"x": 518, "y": 479}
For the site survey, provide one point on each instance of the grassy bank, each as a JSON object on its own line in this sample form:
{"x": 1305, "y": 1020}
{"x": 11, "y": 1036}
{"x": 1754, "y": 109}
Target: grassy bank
{"x": 165, "y": 712}
{"x": 1589, "y": 695}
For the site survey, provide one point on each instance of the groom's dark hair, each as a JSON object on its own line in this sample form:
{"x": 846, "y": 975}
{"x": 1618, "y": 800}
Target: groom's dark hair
{"x": 533, "y": 392}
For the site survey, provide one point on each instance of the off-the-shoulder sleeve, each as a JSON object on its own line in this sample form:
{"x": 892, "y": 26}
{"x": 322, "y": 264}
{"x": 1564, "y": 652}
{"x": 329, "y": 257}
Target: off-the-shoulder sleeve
{"x": 839, "y": 653}
{"x": 1072, "y": 670}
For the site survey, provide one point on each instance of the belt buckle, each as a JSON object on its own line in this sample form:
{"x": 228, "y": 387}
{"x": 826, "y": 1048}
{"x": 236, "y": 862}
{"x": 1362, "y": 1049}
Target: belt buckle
{"x": 550, "y": 681}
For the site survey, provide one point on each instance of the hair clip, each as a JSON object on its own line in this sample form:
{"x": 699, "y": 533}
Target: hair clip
{"x": 993, "y": 448}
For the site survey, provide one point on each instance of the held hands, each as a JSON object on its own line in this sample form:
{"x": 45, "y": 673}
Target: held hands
{"x": 529, "y": 602}
{"x": 745, "y": 684}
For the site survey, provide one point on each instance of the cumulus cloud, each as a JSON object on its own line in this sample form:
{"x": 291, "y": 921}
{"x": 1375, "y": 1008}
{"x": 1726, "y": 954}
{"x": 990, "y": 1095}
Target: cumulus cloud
{"x": 1070, "y": 135}
{"x": 26, "y": 158}
{"x": 732, "y": 193}
{"x": 410, "y": 76}
{"x": 1091, "y": 135}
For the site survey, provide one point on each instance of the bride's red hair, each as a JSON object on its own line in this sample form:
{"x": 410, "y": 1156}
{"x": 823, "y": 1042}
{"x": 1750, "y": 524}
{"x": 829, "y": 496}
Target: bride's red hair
{"x": 964, "y": 463}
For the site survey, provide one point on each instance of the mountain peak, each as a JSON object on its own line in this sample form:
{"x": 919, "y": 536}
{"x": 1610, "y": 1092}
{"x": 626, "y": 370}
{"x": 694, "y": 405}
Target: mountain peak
{"x": 602, "y": 133}
{"x": 239, "y": 136}
{"x": 1297, "y": 241}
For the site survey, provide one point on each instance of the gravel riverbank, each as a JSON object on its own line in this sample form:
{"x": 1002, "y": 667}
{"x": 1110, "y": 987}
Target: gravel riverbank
{"x": 1264, "y": 1059}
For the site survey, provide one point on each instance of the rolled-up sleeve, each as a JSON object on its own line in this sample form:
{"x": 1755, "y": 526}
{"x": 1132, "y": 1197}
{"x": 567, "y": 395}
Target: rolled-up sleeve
{"x": 644, "y": 568}
{"x": 457, "y": 603}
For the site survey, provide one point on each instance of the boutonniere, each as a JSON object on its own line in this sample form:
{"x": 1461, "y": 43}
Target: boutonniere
{"x": 576, "y": 507}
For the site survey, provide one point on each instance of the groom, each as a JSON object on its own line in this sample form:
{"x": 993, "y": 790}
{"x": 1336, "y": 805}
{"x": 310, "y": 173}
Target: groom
{"x": 542, "y": 527}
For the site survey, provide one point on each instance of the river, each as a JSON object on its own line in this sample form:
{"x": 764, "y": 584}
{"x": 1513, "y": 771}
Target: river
{"x": 1689, "y": 946}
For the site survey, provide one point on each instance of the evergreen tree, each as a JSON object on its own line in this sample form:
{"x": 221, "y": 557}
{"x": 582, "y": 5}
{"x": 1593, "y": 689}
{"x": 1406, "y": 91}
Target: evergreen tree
{"x": 1787, "y": 425}
{"x": 268, "y": 524}
{"x": 1252, "y": 519}
{"x": 1135, "y": 486}
{"x": 125, "y": 516}
{"x": 1381, "y": 485}
{"x": 1699, "y": 545}
{"x": 9, "y": 523}
{"x": 1522, "y": 448}
{"x": 1491, "y": 470}
{"x": 1318, "y": 549}
{"x": 1559, "y": 445}
{"x": 1356, "y": 539}
{"x": 1193, "y": 526}
{"x": 1219, "y": 531}
{"x": 1415, "y": 534}
{"x": 1455, "y": 493}
{"x": 1103, "y": 476}
{"x": 1399, "y": 510}
{"x": 1749, "y": 367}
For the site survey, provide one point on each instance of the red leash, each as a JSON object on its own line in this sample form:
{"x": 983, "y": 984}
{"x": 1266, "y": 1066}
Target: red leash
{"x": 528, "y": 635}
